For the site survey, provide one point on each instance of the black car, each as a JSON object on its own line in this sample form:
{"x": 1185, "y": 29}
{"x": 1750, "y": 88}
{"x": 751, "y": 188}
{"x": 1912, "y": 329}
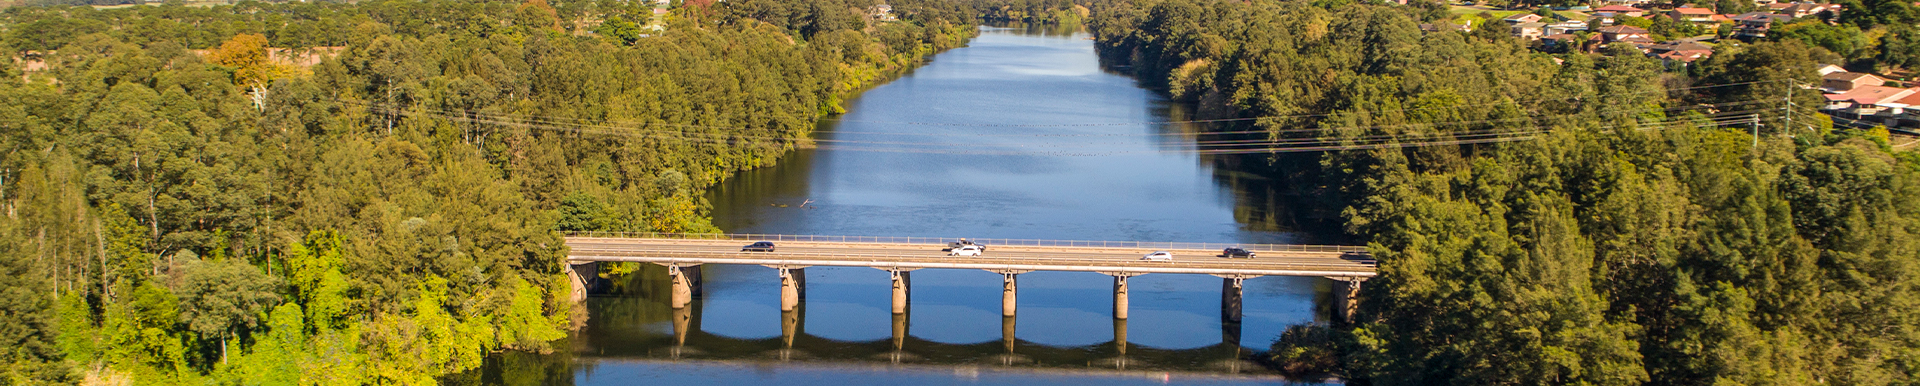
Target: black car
{"x": 758, "y": 246}
{"x": 1236, "y": 252}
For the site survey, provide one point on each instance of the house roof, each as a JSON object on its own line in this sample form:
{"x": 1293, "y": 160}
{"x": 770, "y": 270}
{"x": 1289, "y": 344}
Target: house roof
{"x": 1760, "y": 17}
{"x": 1850, "y": 76}
{"x": 1684, "y": 56}
{"x": 1530, "y": 25}
{"x": 1623, "y": 29}
{"x": 1682, "y": 46}
{"x": 1720, "y": 18}
{"x": 1910, "y": 100}
{"x": 1619, "y": 8}
{"x": 1524, "y": 17}
{"x": 1693, "y": 11}
{"x": 1872, "y": 95}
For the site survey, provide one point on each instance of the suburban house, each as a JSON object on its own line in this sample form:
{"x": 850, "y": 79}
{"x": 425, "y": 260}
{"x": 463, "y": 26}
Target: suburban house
{"x": 1849, "y": 81}
{"x": 1522, "y": 18}
{"x": 1613, "y": 11}
{"x": 882, "y": 12}
{"x": 1803, "y": 9}
{"x": 1620, "y": 33}
{"x": 1565, "y": 27}
{"x": 1755, "y": 24}
{"x": 1529, "y": 31}
{"x": 1829, "y": 69}
{"x": 1698, "y": 16}
{"x": 1679, "y": 52}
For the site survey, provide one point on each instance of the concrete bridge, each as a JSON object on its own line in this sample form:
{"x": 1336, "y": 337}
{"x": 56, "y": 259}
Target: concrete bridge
{"x": 683, "y": 254}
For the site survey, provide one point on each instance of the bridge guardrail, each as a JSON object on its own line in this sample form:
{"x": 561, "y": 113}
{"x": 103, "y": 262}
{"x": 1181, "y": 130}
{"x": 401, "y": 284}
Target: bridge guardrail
{"x": 988, "y": 242}
{"x": 883, "y": 260}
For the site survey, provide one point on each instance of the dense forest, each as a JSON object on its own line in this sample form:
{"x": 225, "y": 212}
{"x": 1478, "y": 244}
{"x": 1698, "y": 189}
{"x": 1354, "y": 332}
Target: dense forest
{"x": 330, "y": 193}
{"x": 1563, "y": 219}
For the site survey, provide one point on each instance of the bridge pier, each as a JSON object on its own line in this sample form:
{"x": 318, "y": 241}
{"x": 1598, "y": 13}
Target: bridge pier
{"x": 1120, "y": 298}
{"x": 1007, "y": 295}
{"x": 901, "y": 281}
{"x": 1230, "y": 293}
{"x": 1120, "y": 336}
{"x": 684, "y": 282}
{"x": 793, "y": 283}
{"x": 1346, "y": 293}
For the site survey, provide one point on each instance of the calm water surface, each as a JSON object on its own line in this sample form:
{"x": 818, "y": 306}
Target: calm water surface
{"x": 1019, "y": 135}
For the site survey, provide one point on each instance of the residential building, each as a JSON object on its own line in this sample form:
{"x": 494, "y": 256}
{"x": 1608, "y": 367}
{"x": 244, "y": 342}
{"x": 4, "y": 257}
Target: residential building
{"x": 1753, "y": 25}
{"x": 1622, "y": 33}
{"x": 1848, "y": 81}
{"x": 1613, "y": 11}
{"x": 1522, "y": 18}
{"x": 1529, "y": 31}
{"x": 1679, "y": 52}
{"x": 1565, "y": 27}
{"x": 1697, "y": 16}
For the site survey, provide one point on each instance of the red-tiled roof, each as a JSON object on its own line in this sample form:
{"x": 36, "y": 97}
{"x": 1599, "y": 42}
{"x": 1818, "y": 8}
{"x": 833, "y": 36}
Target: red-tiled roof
{"x": 1693, "y": 11}
{"x": 1870, "y": 95}
{"x": 1619, "y": 8}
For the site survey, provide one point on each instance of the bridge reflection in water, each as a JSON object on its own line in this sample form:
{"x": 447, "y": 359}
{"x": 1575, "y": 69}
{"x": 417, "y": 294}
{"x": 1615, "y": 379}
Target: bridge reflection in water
{"x": 640, "y": 325}
{"x": 688, "y": 342}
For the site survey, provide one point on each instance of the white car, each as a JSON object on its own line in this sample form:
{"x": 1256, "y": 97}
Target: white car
{"x": 1159, "y": 255}
{"x": 970, "y": 250}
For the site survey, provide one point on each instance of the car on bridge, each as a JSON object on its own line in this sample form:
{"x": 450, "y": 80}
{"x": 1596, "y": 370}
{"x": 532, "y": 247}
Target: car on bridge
{"x": 970, "y": 250}
{"x": 1236, "y": 252}
{"x": 1159, "y": 256}
{"x": 758, "y": 246}
{"x": 963, "y": 243}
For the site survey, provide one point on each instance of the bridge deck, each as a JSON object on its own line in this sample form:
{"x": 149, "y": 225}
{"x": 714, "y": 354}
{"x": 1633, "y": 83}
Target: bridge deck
{"x": 1272, "y": 260}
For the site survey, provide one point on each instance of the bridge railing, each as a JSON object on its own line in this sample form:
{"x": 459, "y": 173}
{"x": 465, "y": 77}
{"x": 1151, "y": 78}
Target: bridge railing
{"x": 988, "y": 242}
{"x": 881, "y": 260}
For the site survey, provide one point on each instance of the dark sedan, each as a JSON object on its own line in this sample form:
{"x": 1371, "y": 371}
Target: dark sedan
{"x": 1236, "y": 252}
{"x": 761, "y": 246}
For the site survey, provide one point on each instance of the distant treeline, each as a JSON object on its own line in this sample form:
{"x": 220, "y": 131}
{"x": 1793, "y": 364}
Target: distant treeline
{"x": 179, "y": 208}
{"x": 1563, "y": 219}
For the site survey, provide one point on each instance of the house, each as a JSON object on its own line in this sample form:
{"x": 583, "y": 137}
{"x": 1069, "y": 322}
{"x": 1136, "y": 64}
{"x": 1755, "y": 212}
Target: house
{"x": 1679, "y": 52}
{"x": 1698, "y": 16}
{"x": 1522, "y": 18}
{"x": 1829, "y": 69}
{"x": 1622, "y": 33}
{"x": 1753, "y": 25}
{"x": 882, "y": 12}
{"x": 1848, "y": 81}
{"x": 1801, "y": 9}
{"x": 1565, "y": 27}
{"x": 1870, "y": 96}
{"x": 1613, "y": 11}
{"x": 1529, "y": 31}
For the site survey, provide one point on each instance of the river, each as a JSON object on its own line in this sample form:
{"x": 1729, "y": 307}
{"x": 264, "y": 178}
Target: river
{"x": 1022, "y": 134}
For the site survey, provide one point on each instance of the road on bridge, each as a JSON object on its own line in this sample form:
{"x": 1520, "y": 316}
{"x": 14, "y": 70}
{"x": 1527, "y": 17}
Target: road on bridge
{"x": 931, "y": 255}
